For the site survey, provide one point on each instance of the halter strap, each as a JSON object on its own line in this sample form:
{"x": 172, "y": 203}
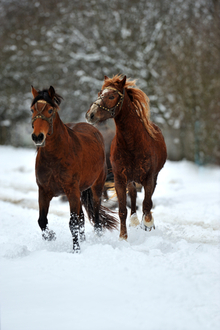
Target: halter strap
{"x": 41, "y": 116}
{"x": 114, "y": 89}
{"x": 112, "y": 110}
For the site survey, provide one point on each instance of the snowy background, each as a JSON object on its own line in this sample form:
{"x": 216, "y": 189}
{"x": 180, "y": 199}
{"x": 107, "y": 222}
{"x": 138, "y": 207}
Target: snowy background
{"x": 172, "y": 48}
{"x": 167, "y": 279}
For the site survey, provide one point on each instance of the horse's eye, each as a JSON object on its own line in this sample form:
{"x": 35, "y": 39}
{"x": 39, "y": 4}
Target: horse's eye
{"x": 50, "y": 111}
{"x": 111, "y": 97}
{"x": 32, "y": 110}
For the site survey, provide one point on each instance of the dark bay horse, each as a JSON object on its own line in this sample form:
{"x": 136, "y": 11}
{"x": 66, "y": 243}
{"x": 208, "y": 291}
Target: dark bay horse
{"x": 71, "y": 162}
{"x": 138, "y": 150}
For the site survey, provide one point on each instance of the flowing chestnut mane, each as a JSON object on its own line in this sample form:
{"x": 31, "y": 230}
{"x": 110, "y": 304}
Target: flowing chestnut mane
{"x": 138, "y": 98}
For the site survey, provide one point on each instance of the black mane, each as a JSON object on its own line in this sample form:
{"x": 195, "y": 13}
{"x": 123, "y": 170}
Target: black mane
{"x": 44, "y": 95}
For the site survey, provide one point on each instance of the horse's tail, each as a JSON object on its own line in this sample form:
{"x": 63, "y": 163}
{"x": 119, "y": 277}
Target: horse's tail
{"x": 106, "y": 216}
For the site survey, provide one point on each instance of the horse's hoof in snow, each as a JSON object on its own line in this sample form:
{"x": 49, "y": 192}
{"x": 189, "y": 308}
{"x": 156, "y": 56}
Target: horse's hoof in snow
{"x": 123, "y": 238}
{"x": 134, "y": 222}
{"x": 147, "y": 222}
{"x": 98, "y": 231}
{"x": 49, "y": 235}
{"x": 76, "y": 248}
{"x": 82, "y": 237}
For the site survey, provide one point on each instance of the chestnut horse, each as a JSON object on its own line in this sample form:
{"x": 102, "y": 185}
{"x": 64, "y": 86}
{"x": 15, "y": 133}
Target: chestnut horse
{"x": 138, "y": 150}
{"x": 71, "y": 162}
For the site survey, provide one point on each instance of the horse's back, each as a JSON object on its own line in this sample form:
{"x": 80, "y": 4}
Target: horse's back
{"x": 87, "y": 131}
{"x": 91, "y": 142}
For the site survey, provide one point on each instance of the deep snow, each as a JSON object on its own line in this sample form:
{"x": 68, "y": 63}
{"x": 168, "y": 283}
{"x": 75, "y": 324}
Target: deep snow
{"x": 166, "y": 279}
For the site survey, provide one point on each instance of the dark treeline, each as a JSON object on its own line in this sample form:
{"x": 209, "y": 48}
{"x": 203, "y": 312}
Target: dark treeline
{"x": 172, "y": 48}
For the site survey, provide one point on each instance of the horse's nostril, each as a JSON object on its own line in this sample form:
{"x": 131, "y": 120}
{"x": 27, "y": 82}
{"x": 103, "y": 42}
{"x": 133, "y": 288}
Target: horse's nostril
{"x": 40, "y": 137}
{"x": 37, "y": 138}
{"x": 33, "y": 137}
{"x": 92, "y": 116}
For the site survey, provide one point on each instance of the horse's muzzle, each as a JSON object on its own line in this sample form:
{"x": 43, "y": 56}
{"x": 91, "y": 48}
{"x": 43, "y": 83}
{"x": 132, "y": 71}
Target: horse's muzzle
{"x": 91, "y": 118}
{"x": 38, "y": 139}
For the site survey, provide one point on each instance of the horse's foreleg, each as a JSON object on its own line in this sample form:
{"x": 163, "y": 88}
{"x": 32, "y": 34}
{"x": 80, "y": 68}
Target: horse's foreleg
{"x": 121, "y": 195}
{"x": 75, "y": 216}
{"x": 74, "y": 228}
{"x": 44, "y": 202}
{"x": 148, "y": 220}
{"x": 133, "y": 195}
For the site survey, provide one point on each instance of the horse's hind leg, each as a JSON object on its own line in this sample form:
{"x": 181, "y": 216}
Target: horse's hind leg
{"x": 97, "y": 189}
{"x": 82, "y": 235}
{"x": 133, "y": 195}
{"x": 44, "y": 202}
{"x": 148, "y": 220}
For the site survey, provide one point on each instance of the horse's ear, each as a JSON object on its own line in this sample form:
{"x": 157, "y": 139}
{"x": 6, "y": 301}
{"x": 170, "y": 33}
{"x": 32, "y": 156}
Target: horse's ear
{"x": 34, "y": 91}
{"x": 123, "y": 81}
{"x": 51, "y": 92}
{"x": 106, "y": 77}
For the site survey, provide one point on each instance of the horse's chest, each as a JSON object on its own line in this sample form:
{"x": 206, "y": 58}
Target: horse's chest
{"x": 50, "y": 179}
{"x": 136, "y": 171}
{"x": 133, "y": 167}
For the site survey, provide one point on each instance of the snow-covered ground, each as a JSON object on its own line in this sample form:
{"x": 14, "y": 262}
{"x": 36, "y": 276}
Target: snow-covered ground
{"x": 166, "y": 279}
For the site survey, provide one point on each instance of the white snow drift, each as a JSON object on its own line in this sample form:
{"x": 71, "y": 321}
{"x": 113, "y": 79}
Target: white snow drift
{"x": 168, "y": 279}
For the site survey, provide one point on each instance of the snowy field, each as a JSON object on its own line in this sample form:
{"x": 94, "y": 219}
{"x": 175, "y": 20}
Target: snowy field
{"x": 168, "y": 279}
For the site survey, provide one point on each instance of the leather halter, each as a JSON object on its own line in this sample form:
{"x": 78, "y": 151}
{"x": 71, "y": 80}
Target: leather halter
{"x": 111, "y": 110}
{"x": 41, "y": 116}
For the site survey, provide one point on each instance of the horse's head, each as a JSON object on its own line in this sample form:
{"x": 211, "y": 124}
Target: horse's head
{"x": 108, "y": 103}
{"x": 43, "y": 108}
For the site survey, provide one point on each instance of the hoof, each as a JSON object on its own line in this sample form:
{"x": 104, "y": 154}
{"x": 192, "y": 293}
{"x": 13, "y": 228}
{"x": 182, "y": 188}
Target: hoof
{"x": 49, "y": 235}
{"x": 147, "y": 222}
{"x": 98, "y": 231}
{"x": 134, "y": 222}
{"x": 82, "y": 237}
{"x": 76, "y": 248}
{"x": 123, "y": 237}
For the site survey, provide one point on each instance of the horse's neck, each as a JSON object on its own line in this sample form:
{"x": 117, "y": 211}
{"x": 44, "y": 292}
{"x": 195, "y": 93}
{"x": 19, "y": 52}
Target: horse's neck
{"x": 58, "y": 136}
{"x": 128, "y": 125}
